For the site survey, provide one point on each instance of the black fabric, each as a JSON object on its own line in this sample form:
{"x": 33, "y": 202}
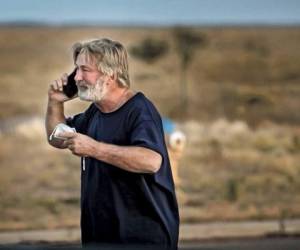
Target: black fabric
{"x": 118, "y": 206}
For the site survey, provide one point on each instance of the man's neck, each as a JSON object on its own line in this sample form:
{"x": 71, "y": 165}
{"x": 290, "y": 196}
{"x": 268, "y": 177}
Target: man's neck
{"x": 114, "y": 100}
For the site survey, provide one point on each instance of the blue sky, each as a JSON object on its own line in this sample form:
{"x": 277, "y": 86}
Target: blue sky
{"x": 155, "y": 12}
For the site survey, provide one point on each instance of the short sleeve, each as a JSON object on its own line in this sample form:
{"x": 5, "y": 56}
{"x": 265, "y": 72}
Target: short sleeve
{"x": 146, "y": 133}
{"x": 150, "y": 135}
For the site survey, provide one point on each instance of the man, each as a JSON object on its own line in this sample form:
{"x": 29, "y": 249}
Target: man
{"x": 127, "y": 189}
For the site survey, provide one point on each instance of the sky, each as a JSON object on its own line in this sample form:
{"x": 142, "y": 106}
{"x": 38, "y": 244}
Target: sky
{"x": 152, "y": 12}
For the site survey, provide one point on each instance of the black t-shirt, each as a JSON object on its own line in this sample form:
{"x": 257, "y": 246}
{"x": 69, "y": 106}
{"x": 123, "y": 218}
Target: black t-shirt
{"x": 119, "y": 206}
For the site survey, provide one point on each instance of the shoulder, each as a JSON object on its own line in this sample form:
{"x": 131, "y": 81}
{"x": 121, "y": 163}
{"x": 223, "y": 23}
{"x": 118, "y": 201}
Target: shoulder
{"x": 143, "y": 108}
{"x": 143, "y": 104}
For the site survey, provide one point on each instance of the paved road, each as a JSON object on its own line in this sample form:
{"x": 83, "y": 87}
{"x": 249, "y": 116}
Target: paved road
{"x": 188, "y": 232}
{"x": 288, "y": 243}
{"x": 224, "y": 236}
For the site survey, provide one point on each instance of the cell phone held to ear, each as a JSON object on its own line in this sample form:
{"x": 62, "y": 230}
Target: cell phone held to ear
{"x": 70, "y": 89}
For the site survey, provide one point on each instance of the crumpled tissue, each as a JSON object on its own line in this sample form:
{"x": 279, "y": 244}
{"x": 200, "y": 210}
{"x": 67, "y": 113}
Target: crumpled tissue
{"x": 60, "y": 128}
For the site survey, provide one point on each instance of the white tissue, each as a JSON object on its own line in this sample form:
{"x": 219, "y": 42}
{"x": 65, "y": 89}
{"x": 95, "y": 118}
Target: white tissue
{"x": 60, "y": 128}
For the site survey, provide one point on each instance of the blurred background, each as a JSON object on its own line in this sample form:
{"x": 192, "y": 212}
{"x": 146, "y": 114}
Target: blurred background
{"x": 226, "y": 74}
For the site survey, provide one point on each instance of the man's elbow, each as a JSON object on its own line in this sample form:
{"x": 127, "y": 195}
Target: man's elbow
{"x": 156, "y": 163}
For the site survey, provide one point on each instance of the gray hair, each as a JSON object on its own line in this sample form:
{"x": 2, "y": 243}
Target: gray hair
{"x": 111, "y": 58}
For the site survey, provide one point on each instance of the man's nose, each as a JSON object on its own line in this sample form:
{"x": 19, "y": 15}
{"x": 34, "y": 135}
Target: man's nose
{"x": 78, "y": 75}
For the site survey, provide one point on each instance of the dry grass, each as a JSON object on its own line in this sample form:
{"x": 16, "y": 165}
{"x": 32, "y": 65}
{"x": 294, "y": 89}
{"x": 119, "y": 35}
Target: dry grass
{"x": 242, "y": 123}
{"x": 39, "y": 185}
{"x": 233, "y": 172}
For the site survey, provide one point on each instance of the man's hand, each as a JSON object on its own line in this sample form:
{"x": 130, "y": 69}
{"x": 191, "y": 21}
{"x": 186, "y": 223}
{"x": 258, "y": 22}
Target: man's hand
{"x": 55, "y": 92}
{"x": 78, "y": 144}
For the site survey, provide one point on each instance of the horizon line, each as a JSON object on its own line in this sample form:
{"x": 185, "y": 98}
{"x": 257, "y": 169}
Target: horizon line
{"x": 34, "y": 23}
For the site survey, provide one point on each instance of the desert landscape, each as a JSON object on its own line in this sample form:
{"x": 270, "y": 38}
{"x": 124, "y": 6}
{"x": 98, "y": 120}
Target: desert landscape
{"x": 233, "y": 91}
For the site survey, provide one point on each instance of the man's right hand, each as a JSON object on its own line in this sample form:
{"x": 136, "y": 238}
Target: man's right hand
{"x": 55, "y": 92}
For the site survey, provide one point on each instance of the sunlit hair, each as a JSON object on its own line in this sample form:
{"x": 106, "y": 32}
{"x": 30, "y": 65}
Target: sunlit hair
{"x": 110, "y": 56}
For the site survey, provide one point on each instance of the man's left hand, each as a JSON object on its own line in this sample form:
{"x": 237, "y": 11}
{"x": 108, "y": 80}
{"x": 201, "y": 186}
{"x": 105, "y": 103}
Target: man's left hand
{"x": 78, "y": 144}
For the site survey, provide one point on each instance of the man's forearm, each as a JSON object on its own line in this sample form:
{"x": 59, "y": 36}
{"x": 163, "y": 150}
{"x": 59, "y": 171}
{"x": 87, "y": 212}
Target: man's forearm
{"x": 54, "y": 115}
{"x": 130, "y": 158}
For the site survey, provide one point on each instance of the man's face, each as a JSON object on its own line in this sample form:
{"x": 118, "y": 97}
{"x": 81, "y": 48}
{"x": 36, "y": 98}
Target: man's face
{"x": 90, "y": 81}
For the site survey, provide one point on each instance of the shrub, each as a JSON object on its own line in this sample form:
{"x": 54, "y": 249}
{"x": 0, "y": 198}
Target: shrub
{"x": 149, "y": 50}
{"x": 232, "y": 190}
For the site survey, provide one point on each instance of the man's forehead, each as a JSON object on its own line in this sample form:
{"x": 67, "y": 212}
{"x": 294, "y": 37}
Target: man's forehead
{"x": 84, "y": 59}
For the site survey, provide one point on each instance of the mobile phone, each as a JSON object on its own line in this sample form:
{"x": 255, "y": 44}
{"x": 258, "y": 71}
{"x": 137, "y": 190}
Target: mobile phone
{"x": 70, "y": 89}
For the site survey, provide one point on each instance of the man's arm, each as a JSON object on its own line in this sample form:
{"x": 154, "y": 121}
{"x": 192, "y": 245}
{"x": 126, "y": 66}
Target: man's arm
{"x": 55, "y": 109}
{"x": 54, "y": 116}
{"x": 131, "y": 158}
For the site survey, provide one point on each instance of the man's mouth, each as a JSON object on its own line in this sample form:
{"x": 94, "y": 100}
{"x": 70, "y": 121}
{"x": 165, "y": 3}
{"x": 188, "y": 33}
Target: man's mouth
{"x": 81, "y": 86}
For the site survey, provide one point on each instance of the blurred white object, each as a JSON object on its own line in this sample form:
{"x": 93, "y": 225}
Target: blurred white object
{"x": 60, "y": 128}
{"x": 177, "y": 141}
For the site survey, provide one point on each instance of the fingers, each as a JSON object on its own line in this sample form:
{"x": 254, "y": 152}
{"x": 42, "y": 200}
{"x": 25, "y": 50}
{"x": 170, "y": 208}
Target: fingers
{"x": 64, "y": 78}
{"x": 70, "y": 144}
{"x": 58, "y": 84}
{"x": 65, "y": 144}
{"x": 73, "y": 142}
{"x": 71, "y": 147}
{"x": 67, "y": 135}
